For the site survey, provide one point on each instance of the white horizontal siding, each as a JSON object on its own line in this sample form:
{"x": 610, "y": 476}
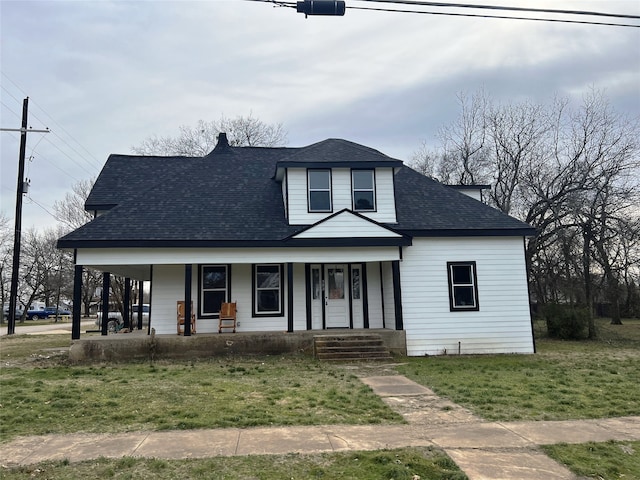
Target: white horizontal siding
{"x": 104, "y": 257}
{"x": 340, "y": 196}
{"x": 389, "y": 296}
{"x": 167, "y": 288}
{"x": 374, "y": 295}
{"x": 503, "y": 323}
{"x": 346, "y": 225}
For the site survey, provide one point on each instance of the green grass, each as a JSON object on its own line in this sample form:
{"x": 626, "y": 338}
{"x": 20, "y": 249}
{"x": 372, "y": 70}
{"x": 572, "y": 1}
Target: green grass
{"x": 564, "y": 380}
{"x": 225, "y": 392}
{"x": 602, "y": 461}
{"x": 400, "y": 464}
{"x": 25, "y": 349}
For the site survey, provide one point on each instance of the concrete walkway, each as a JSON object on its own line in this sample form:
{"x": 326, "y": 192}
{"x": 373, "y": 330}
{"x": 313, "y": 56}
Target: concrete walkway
{"x": 484, "y": 450}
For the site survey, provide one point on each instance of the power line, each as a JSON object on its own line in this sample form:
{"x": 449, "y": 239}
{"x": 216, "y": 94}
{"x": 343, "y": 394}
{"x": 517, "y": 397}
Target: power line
{"x": 418, "y": 3}
{"x": 97, "y": 163}
{"x": 500, "y": 7}
{"x": 504, "y": 17}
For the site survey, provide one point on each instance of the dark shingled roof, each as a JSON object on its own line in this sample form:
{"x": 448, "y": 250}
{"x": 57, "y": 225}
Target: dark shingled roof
{"x": 230, "y": 198}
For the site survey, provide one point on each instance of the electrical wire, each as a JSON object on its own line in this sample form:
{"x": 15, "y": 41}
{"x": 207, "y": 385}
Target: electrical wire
{"x": 95, "y": 163}
{"x": 480, "y": 6}
{"x": 500, "y": 7}
{"x": 504, "y": 17}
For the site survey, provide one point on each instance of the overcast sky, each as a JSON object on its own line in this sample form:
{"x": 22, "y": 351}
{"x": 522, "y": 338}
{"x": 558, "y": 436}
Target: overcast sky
{"x": 105, "y": 75}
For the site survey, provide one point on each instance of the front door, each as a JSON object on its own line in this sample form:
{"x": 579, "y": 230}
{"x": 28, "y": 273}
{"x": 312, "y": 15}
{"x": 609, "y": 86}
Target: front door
{"x": 336, "y": 296}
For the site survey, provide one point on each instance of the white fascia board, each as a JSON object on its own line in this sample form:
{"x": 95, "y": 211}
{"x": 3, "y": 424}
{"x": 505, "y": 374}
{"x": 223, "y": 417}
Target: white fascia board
{"x": 179, "y": 256}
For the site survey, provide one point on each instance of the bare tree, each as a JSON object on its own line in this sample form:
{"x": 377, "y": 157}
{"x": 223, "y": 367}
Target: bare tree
{"x": 571, "y": 174}
{"x": 71, "y": 214}
{"x": 70, "y": 211}
{"x": 200, "y": 140}
{"x": 6, "y": 259}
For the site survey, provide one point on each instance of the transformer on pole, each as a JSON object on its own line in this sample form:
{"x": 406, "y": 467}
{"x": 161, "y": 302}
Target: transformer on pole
{"x": 321, "y": 7}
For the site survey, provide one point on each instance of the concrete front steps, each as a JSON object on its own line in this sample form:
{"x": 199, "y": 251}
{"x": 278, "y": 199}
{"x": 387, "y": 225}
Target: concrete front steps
{"x": 347, "y": 347}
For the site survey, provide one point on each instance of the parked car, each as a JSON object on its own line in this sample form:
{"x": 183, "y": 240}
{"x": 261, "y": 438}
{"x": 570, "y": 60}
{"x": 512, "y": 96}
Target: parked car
{"x": 145, "y": 314}
{"x": 53, "y": 311}
{"x": 115, "y": 321}
{"x": 37, "y": 314}
{"x": 5, "y": 312}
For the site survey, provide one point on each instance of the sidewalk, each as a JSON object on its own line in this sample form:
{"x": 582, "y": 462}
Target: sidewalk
{"x": 484, "y": 450}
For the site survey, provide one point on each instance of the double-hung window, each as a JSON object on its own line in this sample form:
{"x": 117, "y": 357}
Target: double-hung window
{"x": 463, "y": 286}
{"x": 214, "y": 283}
{"x": 268, "y": 290}
{"x": 363, "y": 190}
{"x": 319, "y": 184}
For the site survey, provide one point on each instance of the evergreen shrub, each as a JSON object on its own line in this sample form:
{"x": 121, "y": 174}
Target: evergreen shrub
{"x": 566, "y": 322}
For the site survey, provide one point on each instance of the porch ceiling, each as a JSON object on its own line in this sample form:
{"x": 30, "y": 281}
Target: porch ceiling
{"x": 134, "y": 272}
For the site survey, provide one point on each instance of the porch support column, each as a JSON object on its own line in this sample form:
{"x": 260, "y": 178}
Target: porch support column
{"x": 289, "y": 297}
{"x": 127, "y": 302}
{"x": 364, "y": 292}
{"x": 140, "y": 300}
{"x": 106, "y": 285}
{"x": 307, "y": 283}
{"x": 77, "y": 302}
{"x": 187, "y": 299}
{"x": 397, "y": 294}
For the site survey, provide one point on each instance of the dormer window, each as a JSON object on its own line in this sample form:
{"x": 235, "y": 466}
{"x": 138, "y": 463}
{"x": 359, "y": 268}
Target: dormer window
{"x": 363, "y": 188}
{"x": 319, "y": 185}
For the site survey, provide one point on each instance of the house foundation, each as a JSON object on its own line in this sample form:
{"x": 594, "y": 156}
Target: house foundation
{"x": 137, "y": 346}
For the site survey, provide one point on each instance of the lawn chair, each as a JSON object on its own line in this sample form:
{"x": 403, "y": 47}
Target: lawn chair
{"x": 227, "y": 317}
{"x": 180, "y": 318}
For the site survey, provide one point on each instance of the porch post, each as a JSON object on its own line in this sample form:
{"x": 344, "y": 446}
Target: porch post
{"x": 77, "y": 302}
{"x": 397, "y": 294}
{"x": 140, "y": 300}
{"x": 289, "y": 297}
{"x": 106, "y": 285}
{"x": 307, "y": 288}
{"x": 364, "y": 287}
{"x": 187, "y": 300}
{"x": 127, "y": 301}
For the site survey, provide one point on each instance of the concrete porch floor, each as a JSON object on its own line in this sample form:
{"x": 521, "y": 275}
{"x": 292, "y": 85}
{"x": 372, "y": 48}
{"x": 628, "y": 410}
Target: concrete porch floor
{"x": 138, "y": 345}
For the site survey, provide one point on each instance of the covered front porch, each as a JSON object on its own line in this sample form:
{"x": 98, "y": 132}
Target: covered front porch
{"x": 276, "y": 289}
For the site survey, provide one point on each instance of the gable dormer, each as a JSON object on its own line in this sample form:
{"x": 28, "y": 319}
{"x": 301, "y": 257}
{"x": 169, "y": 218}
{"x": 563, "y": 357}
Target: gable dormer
{"x": 335, "y": 175}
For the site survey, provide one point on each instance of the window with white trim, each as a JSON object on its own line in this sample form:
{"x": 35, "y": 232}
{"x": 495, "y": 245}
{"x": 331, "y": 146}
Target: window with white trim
{"x": 363, "y": 190}
{"x": 268, "y": 290}
{"x": 319, "y": 190}
{"x": 463, "y": 286}
{"x": 214, "y": 289}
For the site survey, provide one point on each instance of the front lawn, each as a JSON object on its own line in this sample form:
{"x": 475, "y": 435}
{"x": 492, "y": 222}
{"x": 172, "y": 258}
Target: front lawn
{"x": 564, "y": 380}
{"x": 40, "y": 396}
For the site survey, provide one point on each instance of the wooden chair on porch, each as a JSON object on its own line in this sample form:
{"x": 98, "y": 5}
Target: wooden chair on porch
{"x": 181, "y": 318}
{"x": 227, "y": 317}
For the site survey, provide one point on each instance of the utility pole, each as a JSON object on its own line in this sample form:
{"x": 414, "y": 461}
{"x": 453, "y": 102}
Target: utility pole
{"x": 13, "y": 295}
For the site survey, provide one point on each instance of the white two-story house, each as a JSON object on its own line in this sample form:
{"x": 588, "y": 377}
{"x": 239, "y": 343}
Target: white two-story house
{"x": 331, "y": 235}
